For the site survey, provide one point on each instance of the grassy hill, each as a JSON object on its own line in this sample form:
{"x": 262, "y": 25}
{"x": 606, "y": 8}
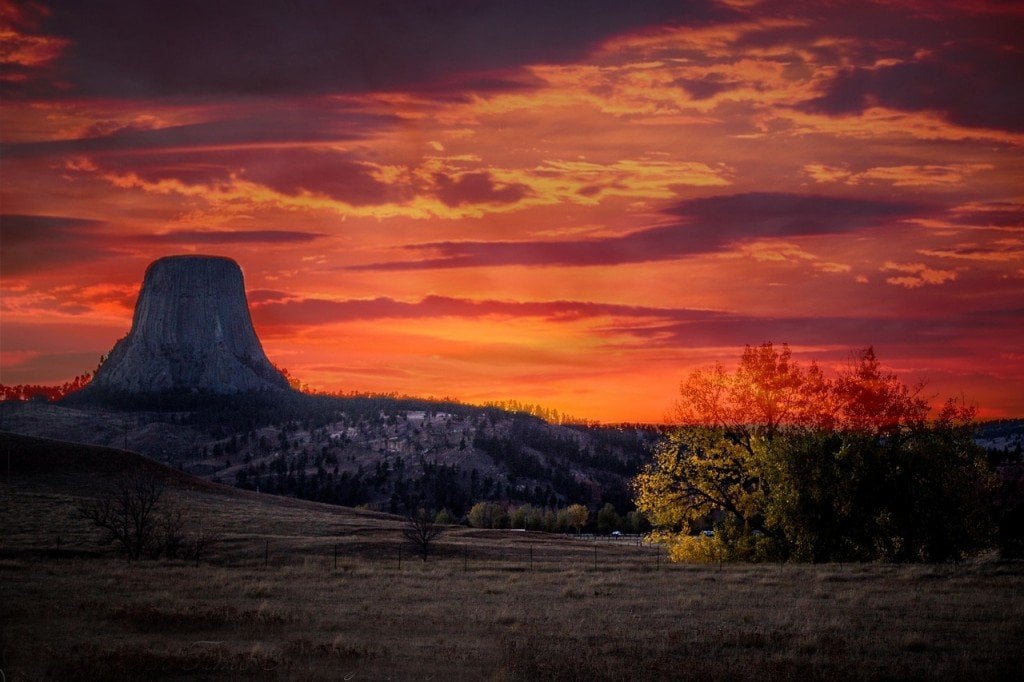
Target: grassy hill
{"x": 46, "y": 480}
{"x": 299, "y": 590}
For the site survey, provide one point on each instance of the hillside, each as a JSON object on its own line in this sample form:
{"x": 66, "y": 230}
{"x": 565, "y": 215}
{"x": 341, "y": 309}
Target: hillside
{"x": 43, "y": 482}
{"x": 384, "y": 453}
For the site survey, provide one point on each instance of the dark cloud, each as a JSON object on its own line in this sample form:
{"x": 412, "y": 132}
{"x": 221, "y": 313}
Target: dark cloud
{"x": 33, "y": 243}
{"x": 124, "y": 48}
{"x": 702, "y": 225}
{"x": 290, "y": 171}
{"x": 937, "y": 336}
{"x": 706, "y": 87}
{"x": 332, "y": 174}
{"x": 737, "y": 330}
{"x": 961, "y": 59}
{"x": 477, "y": 188}
{"x": 313, "y": 311}
{"x": 305, "y": 170}
{"x": 38, "y": 242}
{"x": 257, "y": 296}
{"x": 230, "y": 237}
{"x": 190, "y": 167}
{"x": 461, "y": 87}
{"x": 276, "y": 125}
{"x": 972, "y": 84}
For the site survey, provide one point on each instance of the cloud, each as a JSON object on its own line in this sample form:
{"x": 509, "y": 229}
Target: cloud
{"x": 25, "y": 53}
{"x": 258, "y": 296}
{"x": 229, "y": 237}
{"x": 288, "y": 171}
{"x": 38, "y": 242}
{"x": 339, "y": 176}
{"x": 643, "y": 328}
{"x": 326, "y": 173}
{"x": 992, "y": 214}
{"x": 477, "y": 188}
{"x": 297, "y": 123}
{"x": 276, "y": 310}
{"x": 197, "y": 48}
{"x": 973, "y": 83}
{"x": 998, "y": 251}
{"x": 934, "y": 175}
{"x": 917, "y": 275}
{"x": 702, "y": 225}
{"x": 707, "y": 86}
{"x": 35, "y": 243}
{"x": 435, "y": 185}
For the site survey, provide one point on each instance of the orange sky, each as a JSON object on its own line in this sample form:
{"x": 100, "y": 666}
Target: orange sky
{"x": 572, "y": 206}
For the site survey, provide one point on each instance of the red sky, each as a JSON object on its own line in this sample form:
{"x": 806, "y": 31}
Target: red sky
{"x": 570, "y": 203}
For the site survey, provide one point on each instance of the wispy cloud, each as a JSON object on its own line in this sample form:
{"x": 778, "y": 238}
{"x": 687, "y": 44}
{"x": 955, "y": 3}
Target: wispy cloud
{"x": 230, "y": 237}
{"x": 917, "y": 275}
{"x": 898, "y": 176}
{"x": 701, "y": 225}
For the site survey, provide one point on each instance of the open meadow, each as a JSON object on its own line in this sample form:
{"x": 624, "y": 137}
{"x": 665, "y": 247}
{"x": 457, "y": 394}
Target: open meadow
{"x": 297, "y": 590}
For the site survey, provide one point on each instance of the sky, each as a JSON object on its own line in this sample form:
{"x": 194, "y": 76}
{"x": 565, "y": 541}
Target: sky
{"x": 568, "y": 203}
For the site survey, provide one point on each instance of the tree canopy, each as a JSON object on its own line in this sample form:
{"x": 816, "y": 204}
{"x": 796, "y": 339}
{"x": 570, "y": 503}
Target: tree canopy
{"x": 784, "y": 462}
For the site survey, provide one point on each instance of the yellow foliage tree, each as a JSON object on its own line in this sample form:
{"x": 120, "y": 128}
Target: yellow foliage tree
{"x": 784, "y": 462}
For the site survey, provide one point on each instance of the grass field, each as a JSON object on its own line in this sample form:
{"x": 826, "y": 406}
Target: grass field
{"x": 295, "y": 590}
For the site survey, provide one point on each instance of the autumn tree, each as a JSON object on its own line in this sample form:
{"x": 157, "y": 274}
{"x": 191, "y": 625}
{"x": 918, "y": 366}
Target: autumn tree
{"x": 576, "y": 516}
{"x": 487, "y": 515}
{"x": 786, "y": 463}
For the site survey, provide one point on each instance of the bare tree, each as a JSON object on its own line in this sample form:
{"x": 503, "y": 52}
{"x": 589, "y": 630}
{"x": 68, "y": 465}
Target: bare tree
{"x": 171, "y": 538}
{"x": 127, "y": 512}
{"x": 201, "y": 541}
{"x": 420, "y": 531}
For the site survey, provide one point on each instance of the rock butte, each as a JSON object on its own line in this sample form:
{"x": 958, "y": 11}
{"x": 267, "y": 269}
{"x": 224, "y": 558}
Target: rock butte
{"x": 191, "y": 331}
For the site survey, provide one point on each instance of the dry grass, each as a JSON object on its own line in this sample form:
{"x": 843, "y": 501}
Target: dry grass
{"x": 104, "y": 618}
{"x": 480, "y": 610}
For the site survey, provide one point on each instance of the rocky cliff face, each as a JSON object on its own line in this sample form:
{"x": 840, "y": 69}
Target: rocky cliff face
{"x": 191, "y": 331}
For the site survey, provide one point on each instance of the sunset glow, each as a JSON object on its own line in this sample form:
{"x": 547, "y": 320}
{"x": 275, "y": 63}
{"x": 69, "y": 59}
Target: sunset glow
{"x": 570, "y": 204}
